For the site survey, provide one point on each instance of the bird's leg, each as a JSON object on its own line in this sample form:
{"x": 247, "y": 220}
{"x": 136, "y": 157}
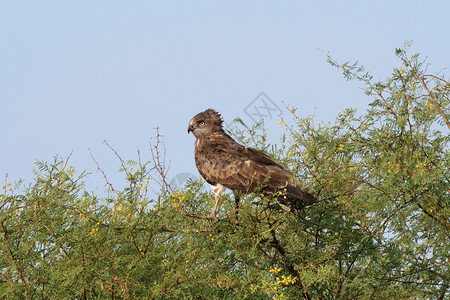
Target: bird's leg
{"x": 213, "y": 215}
{"x": 237, "y": 198}
{"x": 218, "y": 190}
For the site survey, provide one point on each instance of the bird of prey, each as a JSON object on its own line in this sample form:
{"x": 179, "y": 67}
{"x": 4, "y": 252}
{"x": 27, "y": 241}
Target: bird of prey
{"x": 224, "y": 163}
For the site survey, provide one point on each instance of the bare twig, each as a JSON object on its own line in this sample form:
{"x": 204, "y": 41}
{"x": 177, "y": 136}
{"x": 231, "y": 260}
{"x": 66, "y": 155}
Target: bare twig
{"x": 159, "y": 160}
{"x": 104, "y": 175}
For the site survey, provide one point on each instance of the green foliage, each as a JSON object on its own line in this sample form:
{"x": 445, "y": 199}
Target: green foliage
{"x": 379, "y": 230}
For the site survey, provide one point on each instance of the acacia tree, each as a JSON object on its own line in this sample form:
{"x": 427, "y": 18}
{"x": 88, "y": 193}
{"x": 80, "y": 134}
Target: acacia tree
{"x": 380, "y": 227}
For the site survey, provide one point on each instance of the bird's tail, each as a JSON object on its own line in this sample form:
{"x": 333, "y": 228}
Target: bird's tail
{"x": 295, "y": 198}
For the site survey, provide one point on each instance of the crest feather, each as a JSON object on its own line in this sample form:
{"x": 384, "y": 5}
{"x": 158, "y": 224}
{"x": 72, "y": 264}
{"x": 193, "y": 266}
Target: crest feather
{"x": 213, "y": 116}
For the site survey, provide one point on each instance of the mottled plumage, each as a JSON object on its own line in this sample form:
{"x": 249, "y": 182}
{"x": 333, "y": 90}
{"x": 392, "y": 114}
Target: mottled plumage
{"x": 224, "y": 163}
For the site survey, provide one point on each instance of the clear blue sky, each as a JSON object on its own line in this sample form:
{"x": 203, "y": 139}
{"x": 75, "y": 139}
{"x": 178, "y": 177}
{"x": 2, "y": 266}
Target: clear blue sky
{"x": 75, "y": 73}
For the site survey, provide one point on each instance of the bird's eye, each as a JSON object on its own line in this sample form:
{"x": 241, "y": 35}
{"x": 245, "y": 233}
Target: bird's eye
{"x": 201, "y": 123}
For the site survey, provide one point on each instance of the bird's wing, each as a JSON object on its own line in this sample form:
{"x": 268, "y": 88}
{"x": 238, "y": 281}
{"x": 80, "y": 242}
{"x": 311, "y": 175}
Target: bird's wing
{"x": 222, "y": 160}
{"x": 260, "y": 157}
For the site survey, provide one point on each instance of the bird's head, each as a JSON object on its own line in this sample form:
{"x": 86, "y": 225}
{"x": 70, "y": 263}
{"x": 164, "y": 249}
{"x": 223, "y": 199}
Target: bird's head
{"x": 205, "y": 123}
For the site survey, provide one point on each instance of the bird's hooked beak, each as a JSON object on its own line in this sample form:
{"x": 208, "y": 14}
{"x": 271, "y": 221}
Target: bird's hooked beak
{"x": 190, "y": 128}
